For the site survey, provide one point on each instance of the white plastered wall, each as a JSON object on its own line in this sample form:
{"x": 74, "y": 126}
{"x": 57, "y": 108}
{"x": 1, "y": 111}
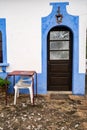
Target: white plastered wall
{"x": 79, "y": 8}
{"x": 23, "y": 29}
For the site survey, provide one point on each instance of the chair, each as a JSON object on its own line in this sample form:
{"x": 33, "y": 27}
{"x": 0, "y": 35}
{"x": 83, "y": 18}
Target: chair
{"x": 23, "y": 83}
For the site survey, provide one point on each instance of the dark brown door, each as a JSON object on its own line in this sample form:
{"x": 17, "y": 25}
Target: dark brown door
{"x": 59, "y": 67}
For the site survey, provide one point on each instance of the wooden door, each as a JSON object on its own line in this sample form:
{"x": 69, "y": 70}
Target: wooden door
{"x": 59, "y": 64}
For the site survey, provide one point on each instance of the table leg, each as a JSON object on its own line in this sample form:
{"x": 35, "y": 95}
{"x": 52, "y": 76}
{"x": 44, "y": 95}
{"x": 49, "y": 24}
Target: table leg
{"x": 33, "y": 88}
{"x": 36, "y": 84}
{"x": 6, "y": 92}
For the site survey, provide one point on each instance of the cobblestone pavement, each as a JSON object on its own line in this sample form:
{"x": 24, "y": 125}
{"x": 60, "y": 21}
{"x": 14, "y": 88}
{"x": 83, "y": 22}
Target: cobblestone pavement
{"x": 50, "y": 112}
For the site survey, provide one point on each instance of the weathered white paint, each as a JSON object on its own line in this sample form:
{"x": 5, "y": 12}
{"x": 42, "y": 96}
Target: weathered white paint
{"x": 23, "y": 25}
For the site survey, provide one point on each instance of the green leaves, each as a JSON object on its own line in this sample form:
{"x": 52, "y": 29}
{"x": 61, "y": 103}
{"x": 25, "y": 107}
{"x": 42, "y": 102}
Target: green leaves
{"x": 3, "y": 82}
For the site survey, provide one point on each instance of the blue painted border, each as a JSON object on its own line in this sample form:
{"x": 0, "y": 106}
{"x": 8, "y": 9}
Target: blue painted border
{"x": 78, "y": 80}
{"x": 3, "y": 31}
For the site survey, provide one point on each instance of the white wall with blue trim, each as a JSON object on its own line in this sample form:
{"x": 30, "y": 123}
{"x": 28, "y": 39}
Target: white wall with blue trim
{"x": 24, "y": 37}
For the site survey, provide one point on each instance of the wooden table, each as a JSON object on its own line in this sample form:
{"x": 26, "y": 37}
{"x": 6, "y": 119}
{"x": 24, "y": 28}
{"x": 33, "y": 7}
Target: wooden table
{"x": 23, "y": 73}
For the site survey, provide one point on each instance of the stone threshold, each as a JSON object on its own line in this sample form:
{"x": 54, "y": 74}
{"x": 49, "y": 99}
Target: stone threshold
{"x": 59, "y": 92}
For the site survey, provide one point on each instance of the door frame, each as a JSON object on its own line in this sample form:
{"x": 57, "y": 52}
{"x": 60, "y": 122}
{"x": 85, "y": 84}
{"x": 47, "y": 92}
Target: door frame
{"x": 71, "y": 21}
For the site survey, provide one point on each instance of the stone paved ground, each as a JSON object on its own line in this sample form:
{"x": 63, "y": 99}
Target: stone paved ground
{"x": 50, "y": 112}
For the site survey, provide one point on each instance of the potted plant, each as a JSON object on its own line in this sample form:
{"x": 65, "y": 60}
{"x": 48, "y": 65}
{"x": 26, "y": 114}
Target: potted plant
{"x": 3, "y": 87}
{"x": 3, "y": 83}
